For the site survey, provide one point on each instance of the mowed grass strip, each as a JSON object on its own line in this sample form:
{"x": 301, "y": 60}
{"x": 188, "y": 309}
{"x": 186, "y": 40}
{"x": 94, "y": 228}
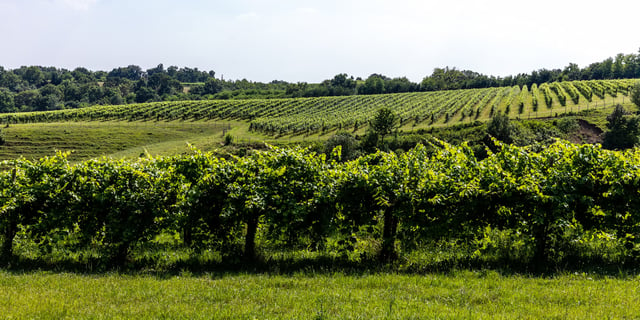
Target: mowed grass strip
{"x": 96, "y": 138}
{"x": 467, "y": 294}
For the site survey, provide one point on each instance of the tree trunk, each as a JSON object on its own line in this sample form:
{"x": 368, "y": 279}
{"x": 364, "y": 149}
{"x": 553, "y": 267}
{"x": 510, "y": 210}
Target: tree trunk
{"x": 388, "y": 253}
{"x": 121, "y": 253}
{"x": 541, "y": 259}
{"x": 187, "y": 237}
{"x": 7, "y": 243}
{"x": 250, "y": 237}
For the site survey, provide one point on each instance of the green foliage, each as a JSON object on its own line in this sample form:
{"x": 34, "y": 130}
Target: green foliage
{"x": 349, "y": 146}
{"x": 635, "y": 94}
{"x": 384, "y": 122}
{"x": 370, "y": 141}
{"x": 546, "y": 93}
{"x": 538, "y": 206}
{"x": 6, "y": 101}
{"x": 568, "y": 125}
{"x": 624, "y": 131}
{"x": 228, "y": 139}
{"x": 501, "y": 128}
{"x": 557, "y": 89}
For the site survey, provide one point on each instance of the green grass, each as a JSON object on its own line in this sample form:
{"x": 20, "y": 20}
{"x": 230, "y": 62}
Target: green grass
{"x": 108, "y": 138}
{"x": 458, "y": 295}
{"x": 131, "y": 139}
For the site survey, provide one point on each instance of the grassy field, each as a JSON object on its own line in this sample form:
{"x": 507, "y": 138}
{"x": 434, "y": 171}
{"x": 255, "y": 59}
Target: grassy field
{"x": 129, "y": 139}
{"x": 458, "y": 295}
{"x": 105, "y": 138}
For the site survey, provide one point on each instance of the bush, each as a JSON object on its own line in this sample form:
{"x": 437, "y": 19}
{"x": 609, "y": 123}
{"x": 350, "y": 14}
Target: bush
{"x": 228, "y": 139}
{"x": 349, "y": 145}
{"x": 568, "y": 125}
{"x": 501, "y": 128}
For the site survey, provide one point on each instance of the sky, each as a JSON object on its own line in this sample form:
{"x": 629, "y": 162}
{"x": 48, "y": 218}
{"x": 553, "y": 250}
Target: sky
{"x": 310, "y": 41}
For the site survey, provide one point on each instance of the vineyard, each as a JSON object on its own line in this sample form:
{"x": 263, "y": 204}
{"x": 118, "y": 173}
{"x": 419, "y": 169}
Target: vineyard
{"x": 563, "y": 203}
{"x": 304, "y": 116}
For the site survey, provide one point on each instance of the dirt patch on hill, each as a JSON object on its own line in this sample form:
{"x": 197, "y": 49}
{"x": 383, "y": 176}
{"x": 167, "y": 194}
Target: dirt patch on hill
{"x": 588, "y": 133}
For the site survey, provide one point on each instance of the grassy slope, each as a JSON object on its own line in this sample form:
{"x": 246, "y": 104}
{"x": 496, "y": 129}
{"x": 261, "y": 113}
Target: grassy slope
{"x": 93, "y": 139}
{"x": 466, "y": 294}
{"x": 88, "y": 139}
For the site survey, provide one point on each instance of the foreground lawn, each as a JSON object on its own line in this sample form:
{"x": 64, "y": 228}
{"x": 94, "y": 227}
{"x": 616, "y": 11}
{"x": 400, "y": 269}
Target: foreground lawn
{"x": 466, "y": 294}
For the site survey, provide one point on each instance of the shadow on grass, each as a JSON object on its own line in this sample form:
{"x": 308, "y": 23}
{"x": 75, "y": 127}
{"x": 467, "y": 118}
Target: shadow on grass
{"x": 320, "y": 265}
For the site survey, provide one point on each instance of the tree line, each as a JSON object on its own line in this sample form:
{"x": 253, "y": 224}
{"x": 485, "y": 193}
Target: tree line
{"x": 36, "y": 88}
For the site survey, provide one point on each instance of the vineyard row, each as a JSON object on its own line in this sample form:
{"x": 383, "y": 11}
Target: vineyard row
{"x": 295, "y": 199}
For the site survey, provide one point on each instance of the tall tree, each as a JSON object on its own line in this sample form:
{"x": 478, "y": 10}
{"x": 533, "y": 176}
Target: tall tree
{"x": 384, "y": 123}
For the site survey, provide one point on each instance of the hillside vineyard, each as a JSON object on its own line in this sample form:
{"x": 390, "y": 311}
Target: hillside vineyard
{"x": 314, "y": 115}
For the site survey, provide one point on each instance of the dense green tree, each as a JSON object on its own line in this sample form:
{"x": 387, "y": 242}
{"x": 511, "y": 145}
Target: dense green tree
{"x": 296, "y": 90}
{"x": 145, "y": 94}
{"x": 384, "y": 123}
{"x": 131, "y": 72}
{"x": 51, "y": 98}
{"x": 51, "y": 90}
{"x": 33, "y": 75}
{"x": 71, "y": 91}
{"x": 344, "y": 81}
{"x": 156, "y": 70}
{"x": 82, "y": 75}
{"x": 617, "y": 69}
{"x": 163, "y": 84}
{"x": 193, "y": 75}
{"x": 398, "y": 85}
{"x": 26, "y": 100}
{"x": 11, "y": 81}
{"x": 572, "y": 72}
{"x": 6, "y": 101}
{"x": 93, "y": 92}
{"x": 373, "y": 85}
{"x": 212, "y": 86}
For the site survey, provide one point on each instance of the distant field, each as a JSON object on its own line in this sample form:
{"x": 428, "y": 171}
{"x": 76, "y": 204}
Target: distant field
{"x": 460, "y": 295}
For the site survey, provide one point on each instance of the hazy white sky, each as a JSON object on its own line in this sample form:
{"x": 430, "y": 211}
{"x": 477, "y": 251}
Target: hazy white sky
{"x": 304, "y": 40}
